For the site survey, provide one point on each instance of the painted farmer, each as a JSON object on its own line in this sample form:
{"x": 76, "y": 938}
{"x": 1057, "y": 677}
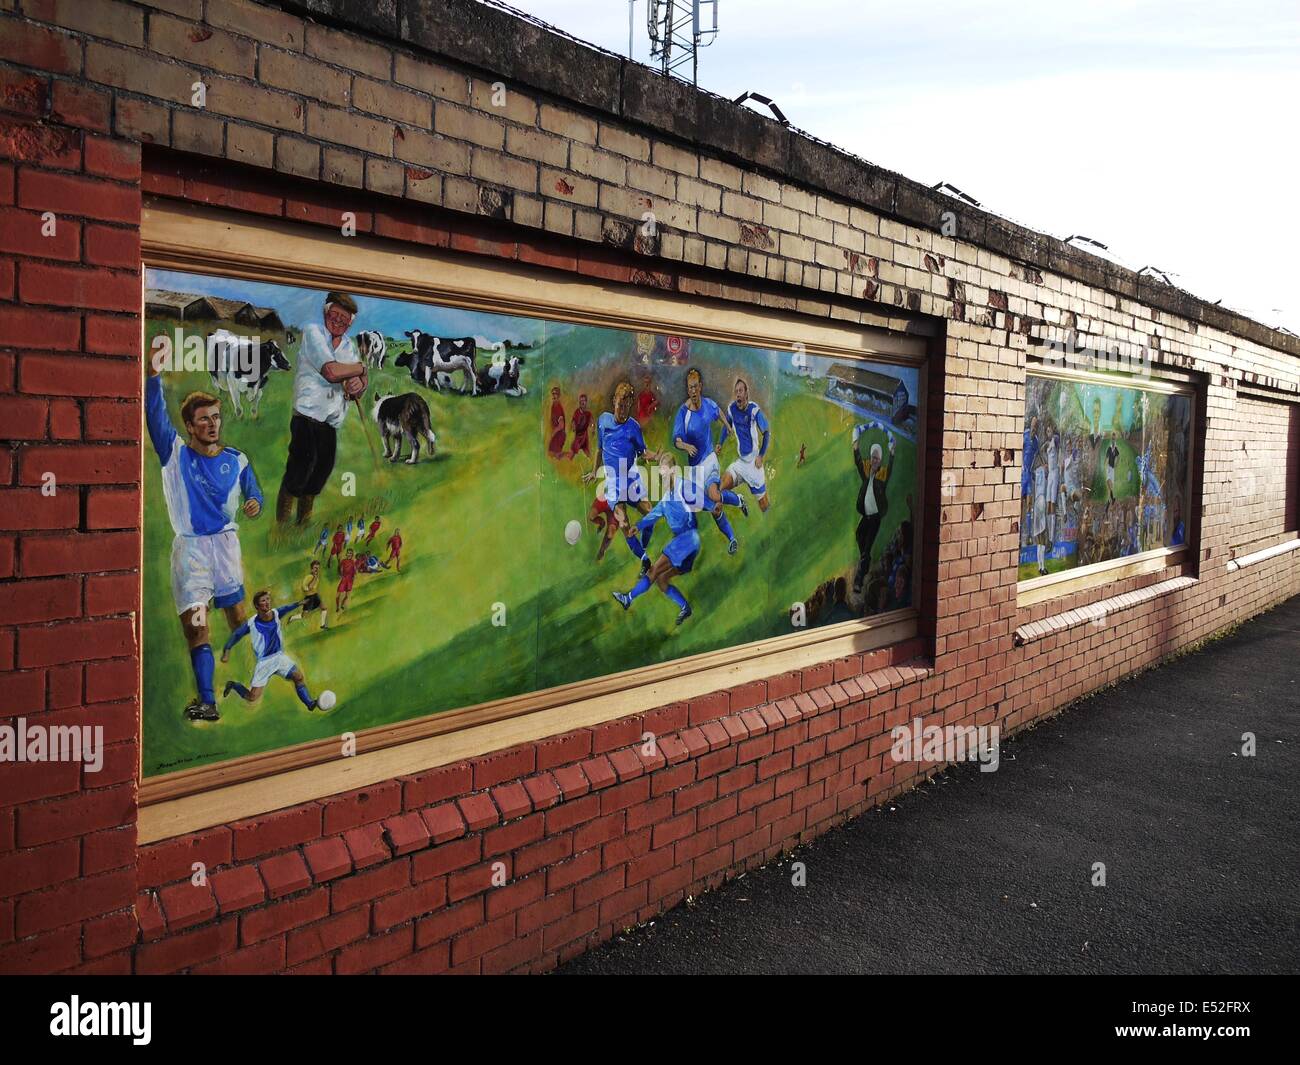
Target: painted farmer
{"x": 207, "y": 486}
{"x": 328, "y": 375}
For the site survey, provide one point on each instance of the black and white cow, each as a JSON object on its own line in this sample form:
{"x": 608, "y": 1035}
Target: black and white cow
{"x": 432, "y": 356}
{"x": 372, "y": 348}
{"x": 241, "y": 365}
{"x": 502, "y": 376}
{"x": 403, "y": 417}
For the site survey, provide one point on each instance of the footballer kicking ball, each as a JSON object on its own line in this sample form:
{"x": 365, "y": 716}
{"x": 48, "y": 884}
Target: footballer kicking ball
{"x": 326, "y": 700}
{"x": 572, "y": 532}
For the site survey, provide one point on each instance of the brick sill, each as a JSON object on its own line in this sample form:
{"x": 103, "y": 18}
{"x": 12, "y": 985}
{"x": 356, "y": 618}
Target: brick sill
{"x": 864, "y": 674}
{"x": 1254, "y": 557}
{"x": 1099, "y": 611}
{"x": 479, "y": 810}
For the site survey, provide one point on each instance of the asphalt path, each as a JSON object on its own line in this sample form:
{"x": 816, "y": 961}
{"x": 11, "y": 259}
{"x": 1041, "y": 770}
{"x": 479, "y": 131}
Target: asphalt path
{"x": 994, "y": 872}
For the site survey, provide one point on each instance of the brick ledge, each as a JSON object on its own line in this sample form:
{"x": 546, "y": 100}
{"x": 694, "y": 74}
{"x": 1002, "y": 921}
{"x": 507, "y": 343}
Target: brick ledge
{"x": 1243, "y": 561}
{"x": 1037, "y": 630}
{"x": 295, "y": 874}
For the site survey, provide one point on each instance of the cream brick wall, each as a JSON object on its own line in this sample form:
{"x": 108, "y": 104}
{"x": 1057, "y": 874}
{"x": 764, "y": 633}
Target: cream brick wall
{"x": 316, "y": 102}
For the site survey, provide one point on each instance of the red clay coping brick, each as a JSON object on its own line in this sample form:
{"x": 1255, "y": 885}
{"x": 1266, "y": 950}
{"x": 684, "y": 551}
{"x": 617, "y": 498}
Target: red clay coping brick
{"x": 512, "y": 800}
{"x": 238, "y": 888}
{"x": 328, "y": 859}
{"x": 445, "y": 822}
{"x": 366, "y": 845}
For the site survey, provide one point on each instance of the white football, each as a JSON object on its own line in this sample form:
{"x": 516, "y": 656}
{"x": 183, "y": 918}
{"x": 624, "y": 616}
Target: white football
{"x": 572, "y": 532}
{"x": 326, "y": 700}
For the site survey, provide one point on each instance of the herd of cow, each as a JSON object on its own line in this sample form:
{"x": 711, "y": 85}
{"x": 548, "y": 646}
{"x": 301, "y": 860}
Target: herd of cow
{"x": 433, "y": 360}
{"x": 240, "y": 366}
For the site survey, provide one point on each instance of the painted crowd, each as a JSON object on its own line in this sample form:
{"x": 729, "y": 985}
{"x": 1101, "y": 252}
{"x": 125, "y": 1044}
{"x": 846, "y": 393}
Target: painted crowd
{"x": 1104, "y": 474}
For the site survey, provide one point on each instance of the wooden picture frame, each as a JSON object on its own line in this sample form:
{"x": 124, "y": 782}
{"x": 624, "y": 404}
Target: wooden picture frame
{"x": 1040, "y": 589}
{"x": 215, "y": 242}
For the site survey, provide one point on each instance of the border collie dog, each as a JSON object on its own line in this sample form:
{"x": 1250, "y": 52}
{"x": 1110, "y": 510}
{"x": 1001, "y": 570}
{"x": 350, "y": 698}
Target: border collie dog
{"x": 405, "y": 416}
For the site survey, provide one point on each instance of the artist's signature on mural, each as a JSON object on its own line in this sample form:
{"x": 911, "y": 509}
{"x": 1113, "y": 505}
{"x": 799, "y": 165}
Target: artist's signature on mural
{"x": 188, "y": 761}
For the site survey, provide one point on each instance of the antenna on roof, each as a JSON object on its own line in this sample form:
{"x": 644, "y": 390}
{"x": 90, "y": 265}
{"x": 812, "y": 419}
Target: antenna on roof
{"x": 678, "y": 30}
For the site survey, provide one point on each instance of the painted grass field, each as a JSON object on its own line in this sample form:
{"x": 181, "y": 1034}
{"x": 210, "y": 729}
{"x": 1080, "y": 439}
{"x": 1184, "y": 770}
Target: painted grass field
{"x": 491, "y": 600}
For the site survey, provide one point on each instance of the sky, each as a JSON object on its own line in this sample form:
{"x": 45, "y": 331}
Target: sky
{"x": 1165, "y": 130}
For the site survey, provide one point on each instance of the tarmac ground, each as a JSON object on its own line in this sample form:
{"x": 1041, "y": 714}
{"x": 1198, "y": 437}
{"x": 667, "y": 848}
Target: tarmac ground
{"x": 994, "y": 872}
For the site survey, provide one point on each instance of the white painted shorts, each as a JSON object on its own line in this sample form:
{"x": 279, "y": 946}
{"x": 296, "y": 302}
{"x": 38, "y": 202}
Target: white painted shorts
{"x": 744, "y": 470}
{"x": 207, "y": 568}
{"x": 276, "y": 665}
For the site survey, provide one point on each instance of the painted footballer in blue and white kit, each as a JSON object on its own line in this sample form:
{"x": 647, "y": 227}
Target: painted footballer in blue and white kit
{"x": 203, "y": 494}
{"x": 619, "y": 443}
{"x": 265, "y": 633}
{"x": 753, "y": 437}
{"x": 680, "y": 553}
{"x": 693, "y": 435}
{"x": 206, "y": 486}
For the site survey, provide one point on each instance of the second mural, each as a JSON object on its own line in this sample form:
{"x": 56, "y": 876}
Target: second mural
{"x": 1104, "y": 474}
{"x": 511, "y": 504}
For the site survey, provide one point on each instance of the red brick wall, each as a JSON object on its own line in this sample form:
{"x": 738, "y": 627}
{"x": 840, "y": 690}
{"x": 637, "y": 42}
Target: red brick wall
{"x": 69, "y": 548}
{"x": 593, "y": 833}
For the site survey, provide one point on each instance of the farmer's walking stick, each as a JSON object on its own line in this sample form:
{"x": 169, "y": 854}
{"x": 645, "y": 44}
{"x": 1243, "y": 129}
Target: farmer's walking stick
{"x": 361, "y": 414}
